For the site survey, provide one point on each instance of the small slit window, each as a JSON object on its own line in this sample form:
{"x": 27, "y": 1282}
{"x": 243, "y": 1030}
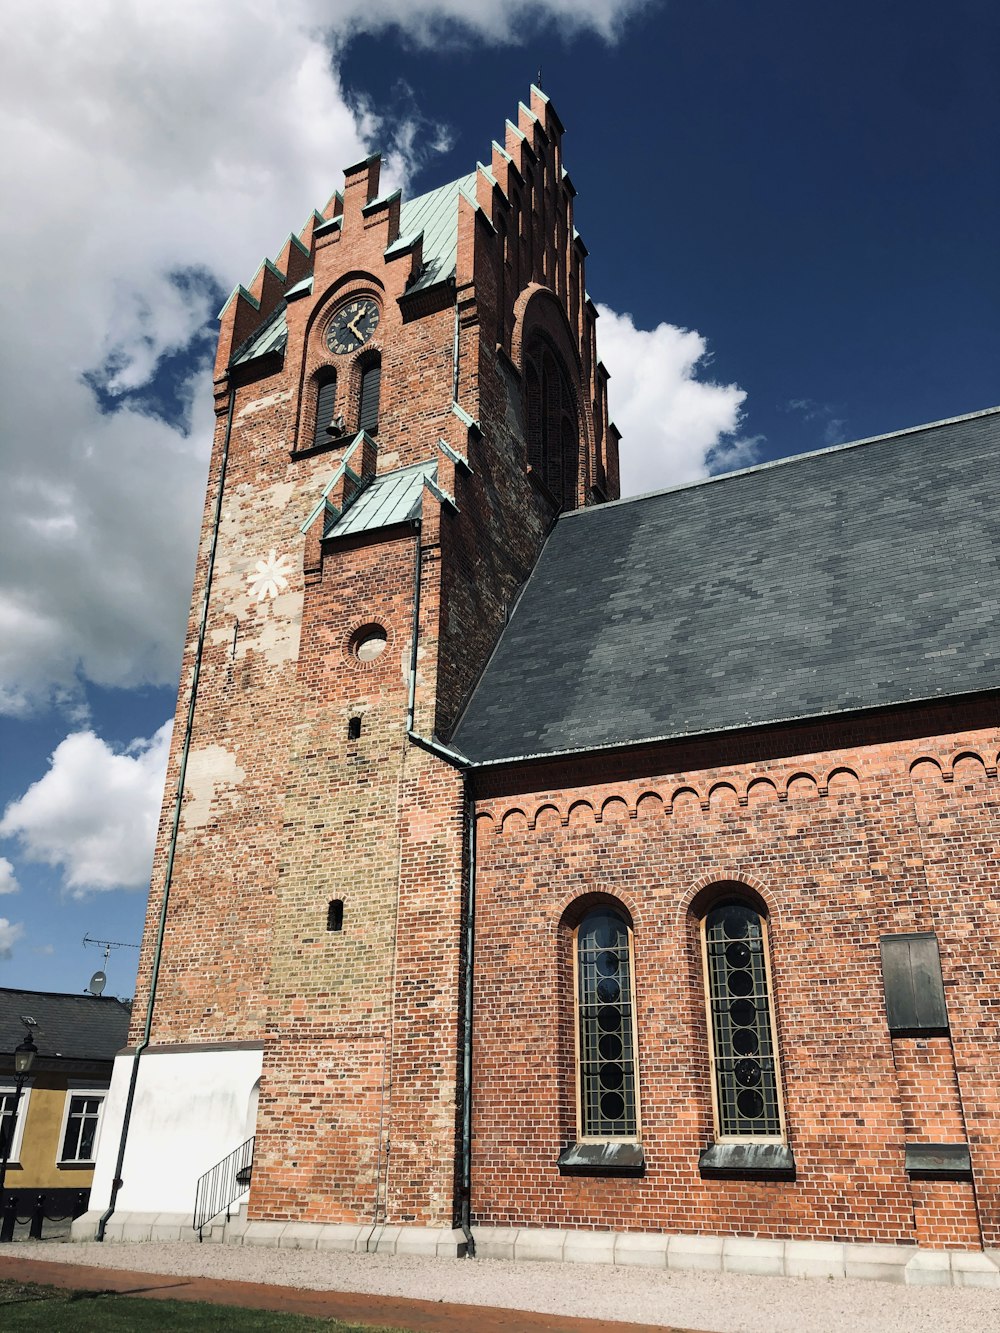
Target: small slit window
{"x": 326, "y": 401}
{"x": 335, "y": 914}
{"x": 371, "y": 384}
{"x": 606, "y": 1059}
{"x": 354, "y": 729}
{"x": 740, "y": 1023}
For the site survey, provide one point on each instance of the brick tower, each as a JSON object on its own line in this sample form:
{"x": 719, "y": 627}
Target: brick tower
{"x": 406, "y": 397}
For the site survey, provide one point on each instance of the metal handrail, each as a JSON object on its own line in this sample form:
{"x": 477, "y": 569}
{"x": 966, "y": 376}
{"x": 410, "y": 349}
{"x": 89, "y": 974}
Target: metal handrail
{"x": 219, "y": 1188}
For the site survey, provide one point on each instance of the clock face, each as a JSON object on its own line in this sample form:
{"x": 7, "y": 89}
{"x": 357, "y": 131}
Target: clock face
{"x": 352, "y": 325}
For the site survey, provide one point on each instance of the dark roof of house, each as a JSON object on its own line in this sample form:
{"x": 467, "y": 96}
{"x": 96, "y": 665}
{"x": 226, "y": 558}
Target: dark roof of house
{"x": 853, "y": 578}
{"x": 73, "y": 1027}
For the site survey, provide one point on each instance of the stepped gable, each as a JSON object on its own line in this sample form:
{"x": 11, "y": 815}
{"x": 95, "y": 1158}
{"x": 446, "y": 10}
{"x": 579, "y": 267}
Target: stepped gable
{"x": 853, "y": 578}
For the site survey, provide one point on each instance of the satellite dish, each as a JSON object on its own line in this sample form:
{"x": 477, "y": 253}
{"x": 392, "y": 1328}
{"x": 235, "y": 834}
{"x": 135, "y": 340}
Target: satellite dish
{"x": 97, "y": 983}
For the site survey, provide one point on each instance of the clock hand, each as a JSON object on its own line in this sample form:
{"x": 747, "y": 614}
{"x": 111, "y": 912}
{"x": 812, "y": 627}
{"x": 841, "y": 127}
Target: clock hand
{"x": 351, "y": 324}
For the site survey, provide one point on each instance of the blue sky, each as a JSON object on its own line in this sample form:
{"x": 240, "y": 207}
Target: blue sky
{"x": 791, "y": 212}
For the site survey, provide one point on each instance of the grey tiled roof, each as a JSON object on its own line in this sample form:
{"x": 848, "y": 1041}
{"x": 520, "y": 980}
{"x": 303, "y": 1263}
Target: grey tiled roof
{"x": 75, "y": 1027}
{"x": 857, "y": 577}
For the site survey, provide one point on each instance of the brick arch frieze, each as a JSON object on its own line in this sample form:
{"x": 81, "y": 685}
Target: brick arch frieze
{"x": 651, "y": 802}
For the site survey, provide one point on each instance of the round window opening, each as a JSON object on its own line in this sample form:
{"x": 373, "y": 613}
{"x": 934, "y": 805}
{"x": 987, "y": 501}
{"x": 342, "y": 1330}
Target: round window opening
{"x": 368, "y": 643}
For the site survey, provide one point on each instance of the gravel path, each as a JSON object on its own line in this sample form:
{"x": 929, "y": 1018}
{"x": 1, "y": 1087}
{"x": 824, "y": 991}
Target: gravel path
{"x": 721, "y": 1303}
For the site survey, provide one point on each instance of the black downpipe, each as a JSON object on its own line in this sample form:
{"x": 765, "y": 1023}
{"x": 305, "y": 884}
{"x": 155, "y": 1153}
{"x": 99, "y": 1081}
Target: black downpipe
{"x": 457, "y": 761}
{"x": 470, "y": 940}
{"x": 116, "y": 1183}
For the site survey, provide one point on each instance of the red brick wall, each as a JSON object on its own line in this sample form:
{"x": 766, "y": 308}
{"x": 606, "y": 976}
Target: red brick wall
{"x": 841, "y": 844}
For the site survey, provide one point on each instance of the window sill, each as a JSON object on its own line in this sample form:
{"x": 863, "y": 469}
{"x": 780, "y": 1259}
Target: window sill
{"x": 611, "y": 1157}
{"x": 75, "y": 1166}
{"x": 938, "y": 1161}
{"x": 325, "y": 447}
{"x": 748, "y": 1161}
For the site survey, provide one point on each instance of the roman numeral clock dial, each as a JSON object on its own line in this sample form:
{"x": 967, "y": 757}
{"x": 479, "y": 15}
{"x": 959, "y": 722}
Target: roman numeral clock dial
{"x": 352, "y": 326}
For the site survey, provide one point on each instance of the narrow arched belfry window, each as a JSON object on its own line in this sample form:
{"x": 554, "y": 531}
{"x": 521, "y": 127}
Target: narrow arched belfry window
{"x": 551, "y": 423}
{"x": 326, "y": 401}
{"x": 741, "y": 1033}
{"x": 371, "y": 384}
{"x": 606, "y": 1056}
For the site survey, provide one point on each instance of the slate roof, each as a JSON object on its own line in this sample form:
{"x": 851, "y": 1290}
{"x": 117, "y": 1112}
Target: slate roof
{"x": 852, "y": 578}
{"x": 73, "y": 1027}
{"x": 433, "y": 215}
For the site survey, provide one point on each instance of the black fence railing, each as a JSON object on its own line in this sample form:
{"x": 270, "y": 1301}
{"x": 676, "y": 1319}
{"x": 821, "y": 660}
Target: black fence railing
{"x": 33, "y": 1209}
{"x": 218, "y": 1189}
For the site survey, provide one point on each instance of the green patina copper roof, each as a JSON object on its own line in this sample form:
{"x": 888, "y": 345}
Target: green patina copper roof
{"x": 436, "y": 216}
{"x": 392, "y": 498}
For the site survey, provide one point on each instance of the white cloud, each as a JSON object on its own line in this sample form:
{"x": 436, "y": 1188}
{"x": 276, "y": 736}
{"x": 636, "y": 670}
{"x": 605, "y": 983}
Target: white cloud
{"x": 94, "y": 813}
{"x": 824, "y": 415}
{"x": 8, "y": 880}
{"x": 156, "y": 151}
{"x": 675, "y": 426}
{"x": 10, "y": 933}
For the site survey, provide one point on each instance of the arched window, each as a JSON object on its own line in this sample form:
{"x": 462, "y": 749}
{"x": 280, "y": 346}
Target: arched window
{"x": 741, "y": 1033}
{"x": 551, "y": 422}
{"x": 606, "y": 1055}
{"x": 371, "y": 383}
{"x": 326, "y": 401}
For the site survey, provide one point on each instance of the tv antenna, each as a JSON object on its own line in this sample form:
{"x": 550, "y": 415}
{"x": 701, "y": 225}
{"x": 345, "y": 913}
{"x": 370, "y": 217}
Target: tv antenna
{"x": 100, "y": 979}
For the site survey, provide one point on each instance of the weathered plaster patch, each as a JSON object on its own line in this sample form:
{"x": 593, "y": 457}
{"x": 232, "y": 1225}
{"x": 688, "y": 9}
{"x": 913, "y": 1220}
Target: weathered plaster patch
{"x": 278, "y": 627}
{"x": 271, "y": 626}
{"x": 212, "y": 775}
{"x": 258, "y": 404}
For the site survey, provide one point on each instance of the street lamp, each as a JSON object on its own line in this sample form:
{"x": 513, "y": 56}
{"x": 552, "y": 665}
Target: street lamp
{"x": 24, "y": 1058}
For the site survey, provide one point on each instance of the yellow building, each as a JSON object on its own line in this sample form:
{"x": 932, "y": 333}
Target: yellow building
{"x": 51, "y": 1138}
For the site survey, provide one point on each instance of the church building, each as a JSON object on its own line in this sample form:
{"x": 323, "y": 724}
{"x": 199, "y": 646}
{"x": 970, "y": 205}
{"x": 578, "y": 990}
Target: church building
{"x": 545, "y": 874}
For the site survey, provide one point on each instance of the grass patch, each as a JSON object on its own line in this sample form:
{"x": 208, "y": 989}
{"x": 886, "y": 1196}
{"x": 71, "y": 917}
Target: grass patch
{"x": 28, "y": 1305}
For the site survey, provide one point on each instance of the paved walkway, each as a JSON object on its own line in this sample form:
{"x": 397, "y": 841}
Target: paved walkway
{"x": 423, "y": 1316}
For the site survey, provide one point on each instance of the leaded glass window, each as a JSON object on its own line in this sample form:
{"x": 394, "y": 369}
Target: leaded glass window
{"x": 740, "y": 1026}
{"x": 606, "y": 1029}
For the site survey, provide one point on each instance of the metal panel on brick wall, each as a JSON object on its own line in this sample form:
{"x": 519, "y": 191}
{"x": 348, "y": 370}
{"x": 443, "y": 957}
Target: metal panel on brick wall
{"x": 911, "y": 977}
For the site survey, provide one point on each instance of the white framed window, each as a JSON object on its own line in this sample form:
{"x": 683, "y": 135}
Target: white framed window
{"x": 81, "y": 1125}
{"x": 11, "y": 1130}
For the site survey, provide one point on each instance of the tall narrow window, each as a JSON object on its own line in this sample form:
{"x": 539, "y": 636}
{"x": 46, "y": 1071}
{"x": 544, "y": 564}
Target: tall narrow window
{"x": 83, "y": 1116}
{"x": 11, "y": 1125}
{"x": 371, "y": 383}
{"x": 551, "y": 422}
{"x": 740, "y": 1023}
{"x": 326, "y": 401}
{"x": 605, "y": 1028}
